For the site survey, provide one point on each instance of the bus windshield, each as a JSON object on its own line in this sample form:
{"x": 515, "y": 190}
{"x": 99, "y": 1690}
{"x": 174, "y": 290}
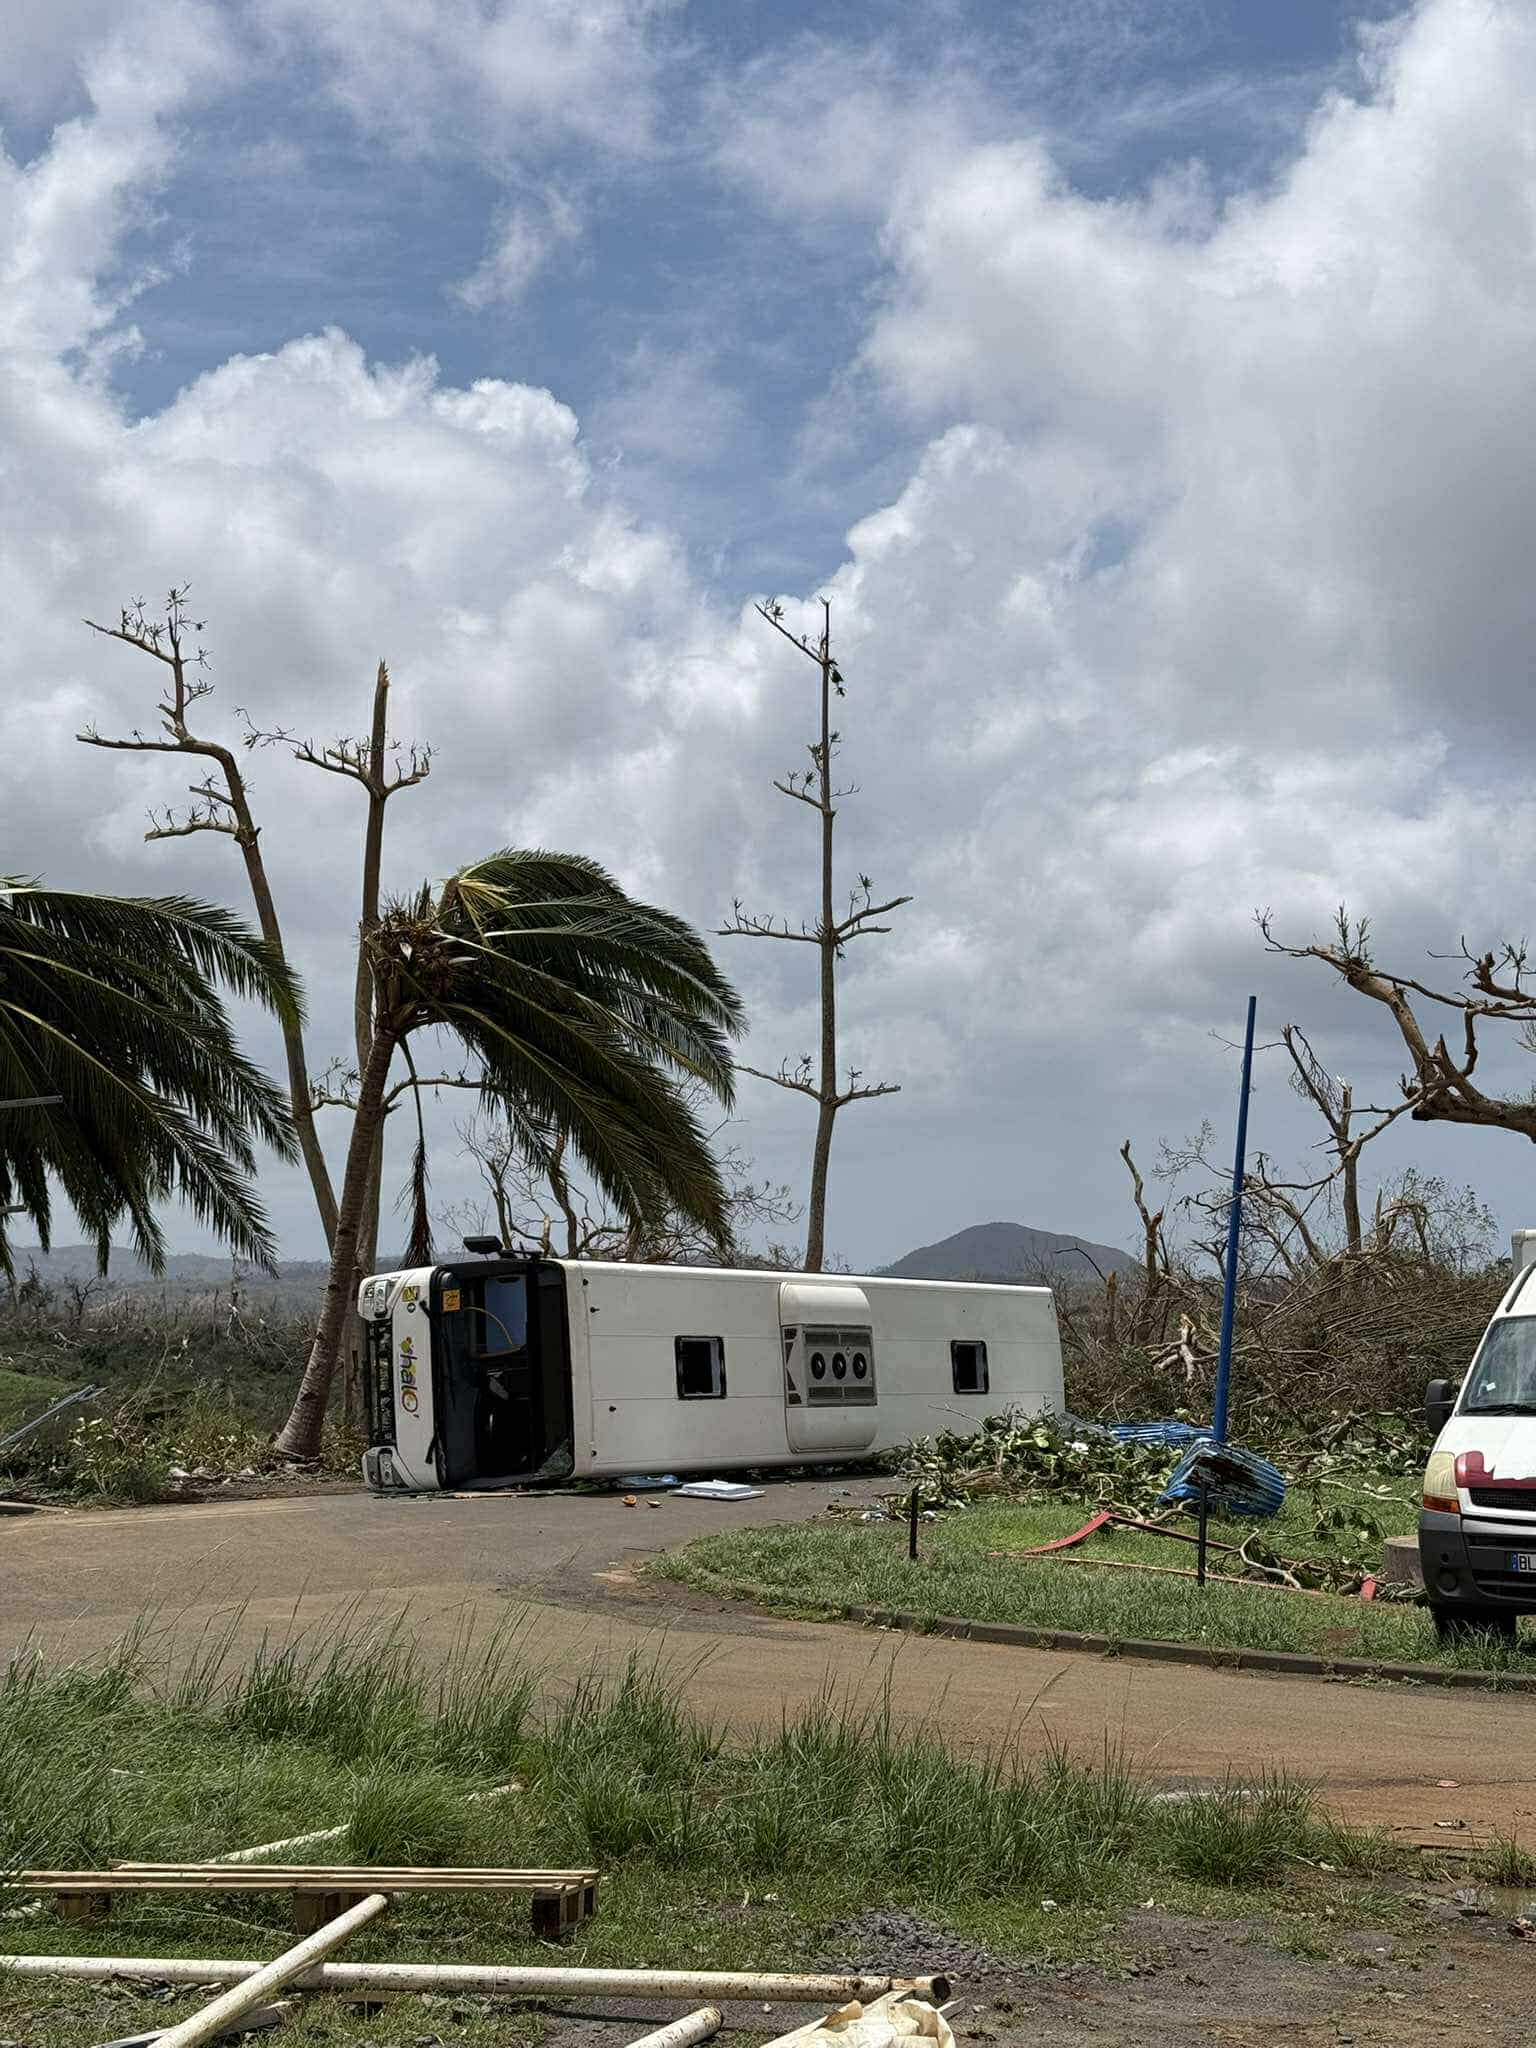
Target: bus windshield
{"x": 1503, "y": 1376}
{"x": 497, "y": 1312}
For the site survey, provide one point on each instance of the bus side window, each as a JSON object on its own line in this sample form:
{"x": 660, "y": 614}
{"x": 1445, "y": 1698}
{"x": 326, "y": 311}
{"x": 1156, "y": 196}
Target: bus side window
{"x": 968, "y": 1362}
{"x": 700, "y": 1368}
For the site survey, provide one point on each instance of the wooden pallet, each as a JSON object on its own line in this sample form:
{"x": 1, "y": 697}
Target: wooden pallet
{"x": 1460, "y": 1840}
{"x": 560, "y": 1900}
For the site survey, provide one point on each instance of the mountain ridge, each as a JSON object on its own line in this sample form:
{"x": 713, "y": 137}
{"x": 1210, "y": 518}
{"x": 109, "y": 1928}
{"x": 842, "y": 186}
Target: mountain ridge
{"x": 1002, "y": 1252}
{"x": 1015, "y": 1252}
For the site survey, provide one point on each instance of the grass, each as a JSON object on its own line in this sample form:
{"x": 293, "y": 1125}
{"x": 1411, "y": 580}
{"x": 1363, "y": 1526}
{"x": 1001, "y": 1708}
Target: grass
{"x": 1508, "y": 1862}
{"x": 24, "y": 1395}
{"x": 715, "y": 1854}
{"x": 823, "y": 1567}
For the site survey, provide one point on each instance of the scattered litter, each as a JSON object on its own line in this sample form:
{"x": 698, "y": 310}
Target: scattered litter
{"x": 1522, "y": 1928}
{"x": 1471, "y": 1903}
{"x": 630, "y": 1501}
{"x": 719, "y": 1489}
{"x": 1447, "y": 1784}
{"x": 884, "y": 2021}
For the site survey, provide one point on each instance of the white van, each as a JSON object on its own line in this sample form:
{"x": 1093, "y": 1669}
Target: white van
{"x": 1477, "y": 1525}
{"x": 504, "y": 1370}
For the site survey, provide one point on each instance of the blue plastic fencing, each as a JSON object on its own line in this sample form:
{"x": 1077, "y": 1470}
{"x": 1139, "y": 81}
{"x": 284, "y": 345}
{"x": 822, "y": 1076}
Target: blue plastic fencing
{"x": 1236, "y": 1482}
{"x": 1172, "y": 1436}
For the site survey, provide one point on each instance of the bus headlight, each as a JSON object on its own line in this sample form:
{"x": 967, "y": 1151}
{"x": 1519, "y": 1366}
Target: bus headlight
{"x": 1440, "y": 1483}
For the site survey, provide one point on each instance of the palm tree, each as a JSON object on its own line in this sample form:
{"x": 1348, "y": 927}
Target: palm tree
{"x": 584, "y": 1011}
{"x": 111, "y": 1011}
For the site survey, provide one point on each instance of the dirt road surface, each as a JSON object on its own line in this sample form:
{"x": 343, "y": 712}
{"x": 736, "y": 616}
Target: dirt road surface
{"x": 570, "y": 1568}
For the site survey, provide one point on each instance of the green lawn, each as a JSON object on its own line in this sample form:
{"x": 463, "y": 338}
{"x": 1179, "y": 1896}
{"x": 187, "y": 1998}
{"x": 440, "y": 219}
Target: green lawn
{"x": 718, "y": 1856}
{"x": 823, "y": 1567}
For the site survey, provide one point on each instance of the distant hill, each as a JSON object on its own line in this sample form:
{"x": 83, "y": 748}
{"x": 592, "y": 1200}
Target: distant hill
{"x": 1011, "y": 1251}
{"x": 298, "y": 1282}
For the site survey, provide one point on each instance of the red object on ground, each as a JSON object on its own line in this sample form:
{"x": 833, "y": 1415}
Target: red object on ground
{"x": 1368, "y": 1589}
{"x": 1088, "y": 1529}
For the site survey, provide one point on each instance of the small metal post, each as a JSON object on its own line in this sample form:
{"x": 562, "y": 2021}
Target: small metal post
{"x": 1205, "y": 1512}
{"x": 912, "y": 1527}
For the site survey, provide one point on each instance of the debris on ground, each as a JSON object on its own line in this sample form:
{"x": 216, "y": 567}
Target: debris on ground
{"x": 1124, "y": 1474}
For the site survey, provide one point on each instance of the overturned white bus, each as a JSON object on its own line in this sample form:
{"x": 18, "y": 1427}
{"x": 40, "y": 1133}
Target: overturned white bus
{"x": 506, "y": 1370}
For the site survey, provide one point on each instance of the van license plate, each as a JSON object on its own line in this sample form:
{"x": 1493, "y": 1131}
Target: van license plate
{"x": 1522, "y": 1560}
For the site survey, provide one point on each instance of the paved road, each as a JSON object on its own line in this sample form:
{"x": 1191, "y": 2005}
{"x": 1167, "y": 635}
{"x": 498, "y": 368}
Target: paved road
{"x": 567, "y": 1566}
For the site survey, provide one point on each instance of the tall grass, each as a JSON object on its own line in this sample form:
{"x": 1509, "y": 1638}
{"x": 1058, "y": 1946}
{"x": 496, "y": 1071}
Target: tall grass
{"x": 1240, "y": 1834}
{"x": 348, "y": 1724}
{"x": 401, "y": 1817}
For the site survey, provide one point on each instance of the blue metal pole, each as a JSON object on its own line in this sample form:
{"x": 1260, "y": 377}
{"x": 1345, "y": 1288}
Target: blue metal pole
{"x": 1234, "y": 1234}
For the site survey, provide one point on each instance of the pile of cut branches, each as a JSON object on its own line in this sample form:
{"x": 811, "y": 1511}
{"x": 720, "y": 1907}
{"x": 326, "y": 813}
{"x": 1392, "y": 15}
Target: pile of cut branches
{"x": 1034, "y": 1458}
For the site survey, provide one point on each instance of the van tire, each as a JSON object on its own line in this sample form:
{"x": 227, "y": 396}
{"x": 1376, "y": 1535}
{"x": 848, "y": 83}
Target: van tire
{"x": 1454, "y": 1624}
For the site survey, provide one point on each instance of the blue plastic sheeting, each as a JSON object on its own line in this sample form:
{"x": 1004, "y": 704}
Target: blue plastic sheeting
{"x": 1172, "y": 1436}
{"x": 1236, "y": 1482}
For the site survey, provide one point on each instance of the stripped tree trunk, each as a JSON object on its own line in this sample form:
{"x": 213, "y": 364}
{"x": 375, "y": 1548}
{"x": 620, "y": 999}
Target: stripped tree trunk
{"x": 300, "y": 1434}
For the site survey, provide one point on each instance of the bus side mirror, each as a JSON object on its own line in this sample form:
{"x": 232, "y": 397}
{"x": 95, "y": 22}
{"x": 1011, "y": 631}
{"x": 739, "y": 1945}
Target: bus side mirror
{"x": 1438, "y": 1403}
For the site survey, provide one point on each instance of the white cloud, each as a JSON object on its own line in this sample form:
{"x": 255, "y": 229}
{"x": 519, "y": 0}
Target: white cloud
{"x": 65, "y": 216}
{"x": 525, "y": 237}
{"x": 824, "y": 132}
{"x": 1209, "y": 590}
{"x": 1314, "y": 404}
{"x": 443, "y": 76}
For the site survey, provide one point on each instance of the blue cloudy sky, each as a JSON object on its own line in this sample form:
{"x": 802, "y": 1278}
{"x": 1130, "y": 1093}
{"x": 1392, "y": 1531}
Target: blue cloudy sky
{"x": 1148, "y": 382}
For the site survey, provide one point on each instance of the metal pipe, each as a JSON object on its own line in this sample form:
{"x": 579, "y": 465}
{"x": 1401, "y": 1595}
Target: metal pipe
{"x": 1234, "y": 1234}
{"x": 213, "y": 2019}
{"x": 684, "y": 2033}
{"x": 9, "y": 1443}
{"x": 507, "y": 1979}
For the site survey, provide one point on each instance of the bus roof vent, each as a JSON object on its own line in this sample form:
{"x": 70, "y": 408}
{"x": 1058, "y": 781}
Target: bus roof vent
{"x": 823, "y": 1301}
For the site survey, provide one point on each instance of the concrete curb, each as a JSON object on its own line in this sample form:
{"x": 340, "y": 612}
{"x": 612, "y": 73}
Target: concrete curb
{"x": 1279, "y": 1663}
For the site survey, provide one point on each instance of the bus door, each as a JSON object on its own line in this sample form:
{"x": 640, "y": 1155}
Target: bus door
{"x": 501, "y": 1376}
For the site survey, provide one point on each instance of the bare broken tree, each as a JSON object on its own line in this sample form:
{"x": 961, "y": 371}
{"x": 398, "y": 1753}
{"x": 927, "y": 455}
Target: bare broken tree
{"x": 818, "y": 1077}
{"x": 531, "y": 1192}
{"x": 1438, "y": 1088}
{"x": 221, "y": 803}
{"x": 1334, "y": 1100}
{"x": 380, "y": 767}
{"x": 1154, "y": 1255}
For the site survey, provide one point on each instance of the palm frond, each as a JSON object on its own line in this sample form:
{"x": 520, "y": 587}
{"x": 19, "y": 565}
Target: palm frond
{"x": 116, "y": 1006}
{"x": 585, "y": 1011}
